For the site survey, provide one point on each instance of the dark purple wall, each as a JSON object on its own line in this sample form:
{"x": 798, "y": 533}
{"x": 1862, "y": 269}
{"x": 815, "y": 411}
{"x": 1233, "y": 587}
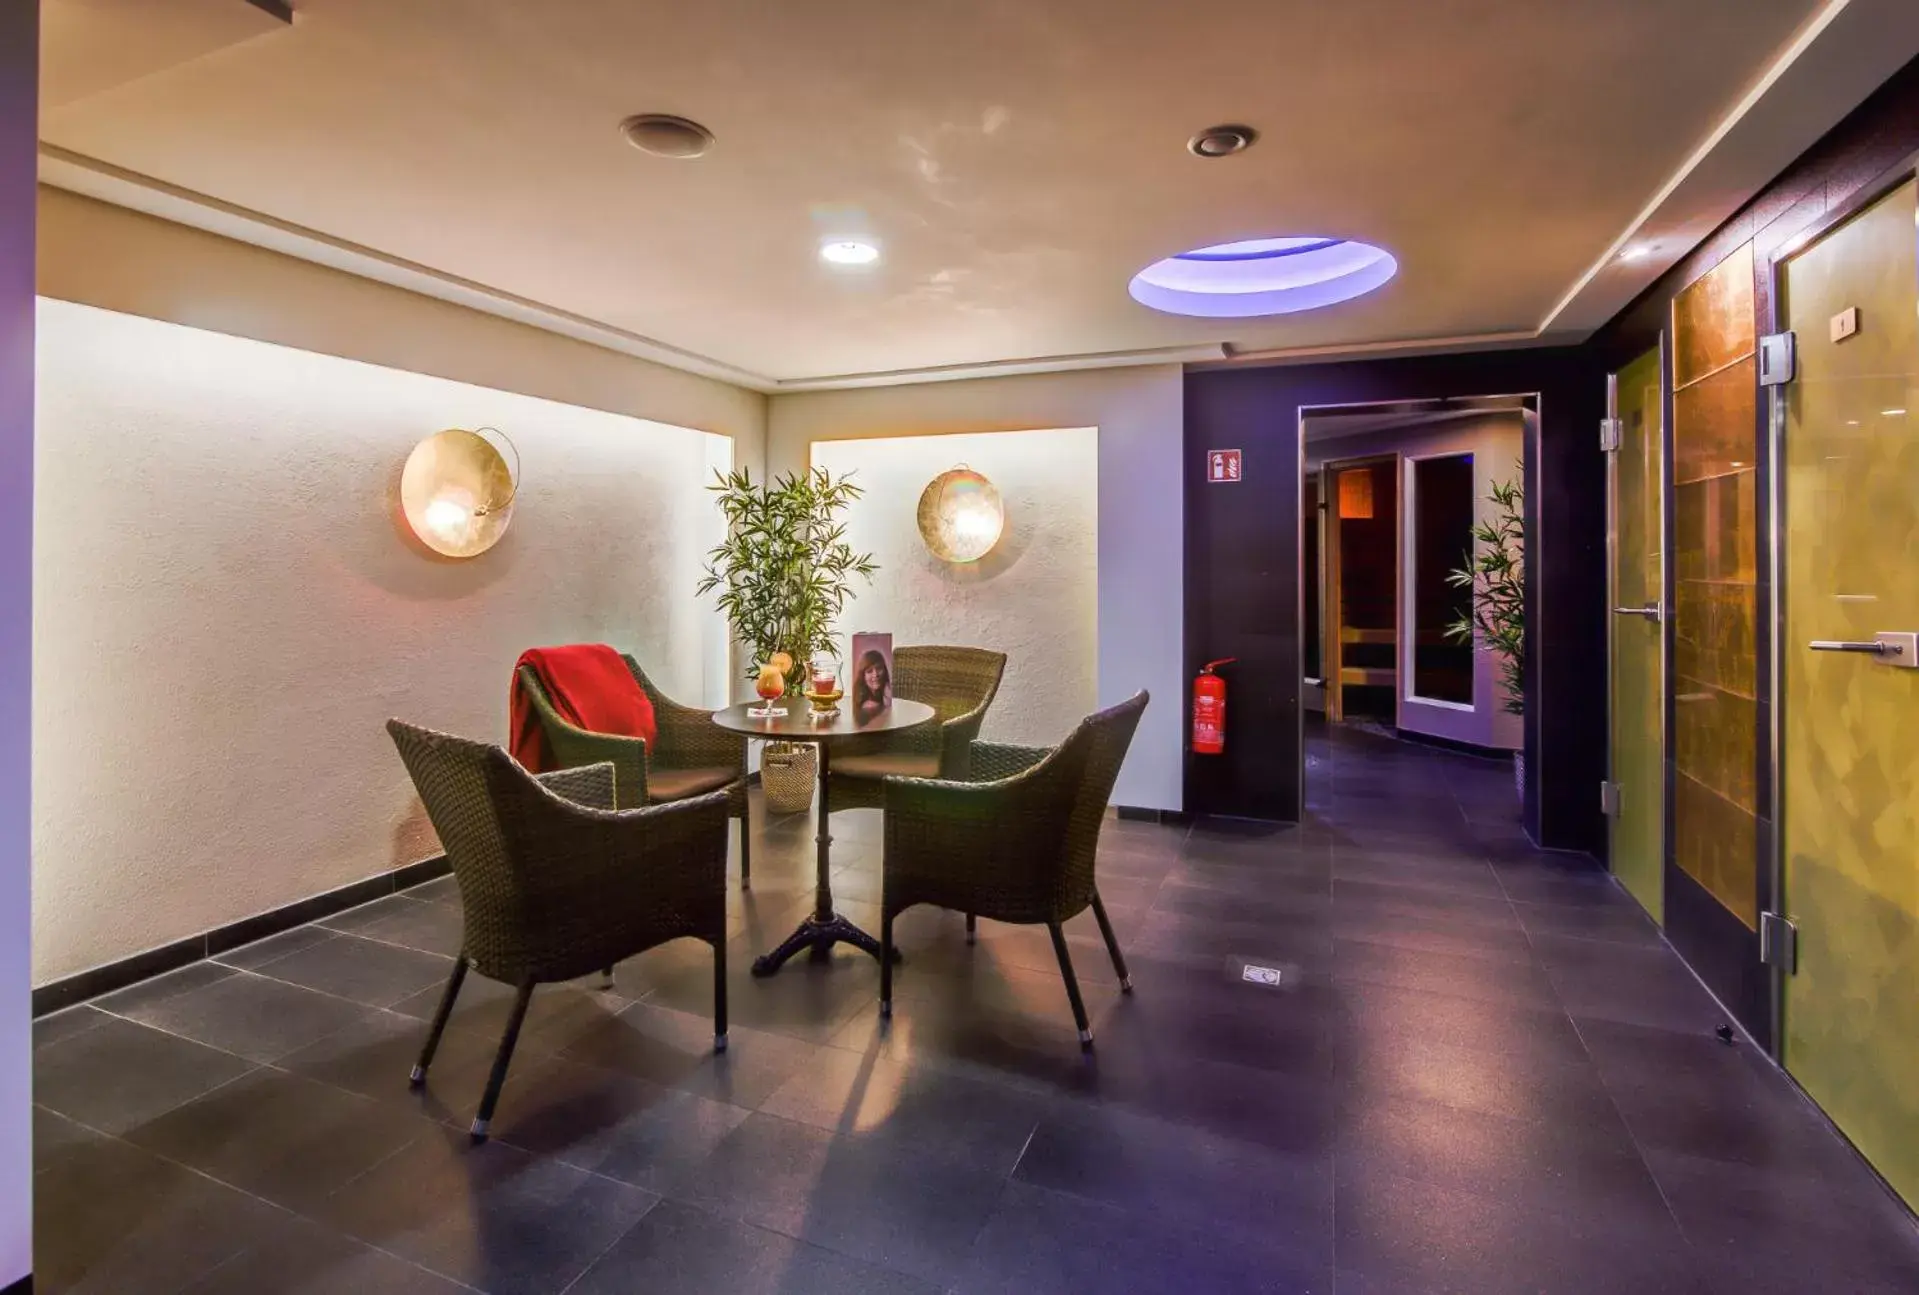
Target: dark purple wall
{"x": 1242, "y": 570}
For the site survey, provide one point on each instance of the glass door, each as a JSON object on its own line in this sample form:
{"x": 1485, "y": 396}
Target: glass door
{"x": 1638, "y": 633}
{"x": 1849, "y": 697}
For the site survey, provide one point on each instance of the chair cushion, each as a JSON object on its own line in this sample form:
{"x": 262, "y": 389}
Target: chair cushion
{"x": 678, "y": 784}
{"x": 897, "y": 764}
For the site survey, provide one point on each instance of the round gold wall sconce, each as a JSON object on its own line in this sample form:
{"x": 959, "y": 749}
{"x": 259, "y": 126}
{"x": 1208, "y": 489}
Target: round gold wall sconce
{"x": 961, "y": 516}
{"x": 457, "y": 491}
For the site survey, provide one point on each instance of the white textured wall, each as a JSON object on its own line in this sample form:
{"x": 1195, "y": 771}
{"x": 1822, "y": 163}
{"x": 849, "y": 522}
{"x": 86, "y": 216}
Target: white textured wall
{"x": 1035, "y": 597}
{"x": 228, "y": 608}
{"x": 1140, "y": 418}
{"x": 19, "y": 48}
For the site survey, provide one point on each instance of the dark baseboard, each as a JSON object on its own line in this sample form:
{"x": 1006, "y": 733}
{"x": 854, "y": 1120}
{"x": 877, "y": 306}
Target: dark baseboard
{"x": 149, "y": 963}
{"x": 1135, "y": 814}
{"x": 22, "y": 1287}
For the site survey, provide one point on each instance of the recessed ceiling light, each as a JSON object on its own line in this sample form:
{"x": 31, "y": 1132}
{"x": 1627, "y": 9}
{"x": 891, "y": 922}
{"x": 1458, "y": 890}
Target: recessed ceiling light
{"x": 1221, "y": 141}
{"x": 849, "y": 251}
{"x": 1635, "y": 252}
{"x": 1262, "y": 276}
{"x": 664, "y": 135}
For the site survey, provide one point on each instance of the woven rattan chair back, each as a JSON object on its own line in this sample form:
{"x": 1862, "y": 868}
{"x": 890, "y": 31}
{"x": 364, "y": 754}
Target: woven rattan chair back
{"x": 1102, "y": 740}
{"x": 954, "y": 681}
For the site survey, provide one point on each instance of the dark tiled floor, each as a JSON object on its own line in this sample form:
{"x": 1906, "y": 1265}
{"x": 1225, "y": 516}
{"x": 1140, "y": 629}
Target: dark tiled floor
{"x": 1481, "y": 1071}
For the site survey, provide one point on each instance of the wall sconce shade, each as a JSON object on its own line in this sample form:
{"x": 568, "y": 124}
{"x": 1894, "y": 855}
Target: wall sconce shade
{"x": 961, "y": 516}
{"x": 457, "y": 492}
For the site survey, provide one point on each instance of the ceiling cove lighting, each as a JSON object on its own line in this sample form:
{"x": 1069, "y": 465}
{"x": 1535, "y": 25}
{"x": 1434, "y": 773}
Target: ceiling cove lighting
{"x": 1262, "y": 276}
{"x": 849, "y": 251}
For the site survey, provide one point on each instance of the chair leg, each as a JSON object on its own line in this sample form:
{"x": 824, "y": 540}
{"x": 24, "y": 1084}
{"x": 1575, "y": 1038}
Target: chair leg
{"x": 972, "y": 928}
{"x": 1112, "y": 945}
{"x": 440, "y": 1016}
{"x": 886, "y": 966}
{"x": 1072, "y": 984}
{"x": 483, "y": 1122}
{"x": 746, "y": 849}
{"x": 719, "y": 995}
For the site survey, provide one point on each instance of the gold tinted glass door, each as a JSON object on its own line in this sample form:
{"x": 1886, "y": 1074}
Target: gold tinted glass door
{"x": 1638, "y": 674}
{"x": 1850, "y": 749}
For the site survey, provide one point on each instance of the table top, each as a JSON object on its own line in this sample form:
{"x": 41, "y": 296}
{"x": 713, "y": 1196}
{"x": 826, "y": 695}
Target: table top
{"x": 799, "y": 725}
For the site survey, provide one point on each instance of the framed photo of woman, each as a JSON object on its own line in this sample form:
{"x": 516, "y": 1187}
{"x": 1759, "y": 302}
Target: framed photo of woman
{"x": 872, "y": 683}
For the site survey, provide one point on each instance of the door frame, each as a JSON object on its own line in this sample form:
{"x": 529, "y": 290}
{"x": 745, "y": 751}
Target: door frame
{"x": 1772, "y": 870}
{"x": 1662, "y": 490}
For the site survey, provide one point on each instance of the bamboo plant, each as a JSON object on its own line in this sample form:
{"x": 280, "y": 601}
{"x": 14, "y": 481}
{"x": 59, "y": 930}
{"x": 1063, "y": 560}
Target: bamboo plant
{"x": 785, "y": 569}
{"x": 1495, "y": 576}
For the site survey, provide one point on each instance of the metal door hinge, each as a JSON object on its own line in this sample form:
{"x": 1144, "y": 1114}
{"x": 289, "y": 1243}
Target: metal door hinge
{"x": 1609, "y": 799}
{"x": 1777, "y": 358}
{"x": 1612, "y": 432}
{"x": 1778, "y": 943}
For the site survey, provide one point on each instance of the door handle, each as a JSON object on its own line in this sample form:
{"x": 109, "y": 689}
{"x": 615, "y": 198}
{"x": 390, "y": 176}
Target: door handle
{"x": 1650, "y": 611}
{"x": 1900, "y": 650}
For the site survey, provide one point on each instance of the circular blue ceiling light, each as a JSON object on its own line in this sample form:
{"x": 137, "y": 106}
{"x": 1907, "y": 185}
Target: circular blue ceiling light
{"x": 1262, "y": 276}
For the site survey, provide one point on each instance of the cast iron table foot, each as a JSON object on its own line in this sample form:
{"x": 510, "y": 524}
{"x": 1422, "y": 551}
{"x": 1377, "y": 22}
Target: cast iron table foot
{"x": 818, "y": 937}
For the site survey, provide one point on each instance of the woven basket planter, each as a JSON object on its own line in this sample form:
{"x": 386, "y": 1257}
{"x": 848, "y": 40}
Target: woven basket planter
{"x": 787, "y": 774}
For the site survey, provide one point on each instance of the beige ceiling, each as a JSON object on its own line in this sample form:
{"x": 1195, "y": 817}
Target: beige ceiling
{"x": 1019, "y": 159}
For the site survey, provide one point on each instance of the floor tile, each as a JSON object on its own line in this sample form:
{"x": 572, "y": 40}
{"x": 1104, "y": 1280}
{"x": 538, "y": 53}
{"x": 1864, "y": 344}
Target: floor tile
{"x": 112, "y": 1219}
{"x": 374, "y": 1057}
{"x": 361, "y": 970}
{"x": 53, "y": 1029}
{"x": 675, "y": 1050}
{"x": 679, "y": 1250}
{"x": 413, "y": 923}
{"x": 1788, "y": 1230}
{"x": 911, "y": 1109}
{"x": 1402, "y": 1236}
{"x": 302, "y": 1258}
{"x": 249, "y": 1015}
{"x": 283, "y": 1138}
{"x": 1040, "y": 1242}
{"x": 611, "y": 1123}
{"x": 55, "y": 1137}
{"x": 121, "y": 1075}
{"x": 1174, "y": 1172}
{"x": 249, "y": 956}
{"x": 491, "y": 1216}
{"x": 916, "y": 1215}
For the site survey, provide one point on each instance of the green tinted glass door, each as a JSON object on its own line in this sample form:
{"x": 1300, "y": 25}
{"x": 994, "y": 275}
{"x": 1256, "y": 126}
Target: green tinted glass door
{"x": 1850, "y": 749}
{"x": 1638, "y": 674}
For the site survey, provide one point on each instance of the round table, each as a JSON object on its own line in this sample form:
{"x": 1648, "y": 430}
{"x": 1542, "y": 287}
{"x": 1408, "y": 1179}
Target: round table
{"x": 825, "y": 928}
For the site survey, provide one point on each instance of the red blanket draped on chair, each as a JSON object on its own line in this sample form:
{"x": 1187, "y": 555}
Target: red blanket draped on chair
{"x": 589, "y": 686}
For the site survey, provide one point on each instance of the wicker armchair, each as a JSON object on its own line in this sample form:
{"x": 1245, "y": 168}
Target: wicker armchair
{"x": 1016, "y": 841}
{"x": 691, "y": 757}
{"x": 556, "y": 883}
{"x": 959, "y": 683}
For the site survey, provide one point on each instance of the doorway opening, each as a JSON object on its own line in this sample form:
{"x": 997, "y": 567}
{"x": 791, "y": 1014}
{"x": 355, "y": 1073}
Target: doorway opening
{"x": 1397, "y": 501}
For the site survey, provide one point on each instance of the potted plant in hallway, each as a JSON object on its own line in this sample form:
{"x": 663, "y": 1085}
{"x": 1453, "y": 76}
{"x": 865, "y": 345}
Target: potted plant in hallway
{"x": 1495, "y": 578}
{"x": 784, "y": 574}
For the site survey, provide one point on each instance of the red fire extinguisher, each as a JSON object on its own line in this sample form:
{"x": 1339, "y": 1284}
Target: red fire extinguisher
{"x": 1209, "y": 709}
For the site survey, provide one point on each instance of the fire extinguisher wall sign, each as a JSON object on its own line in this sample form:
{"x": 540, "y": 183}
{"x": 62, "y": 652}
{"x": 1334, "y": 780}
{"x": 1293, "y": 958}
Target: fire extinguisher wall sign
{"x": 1209, "y": 709}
